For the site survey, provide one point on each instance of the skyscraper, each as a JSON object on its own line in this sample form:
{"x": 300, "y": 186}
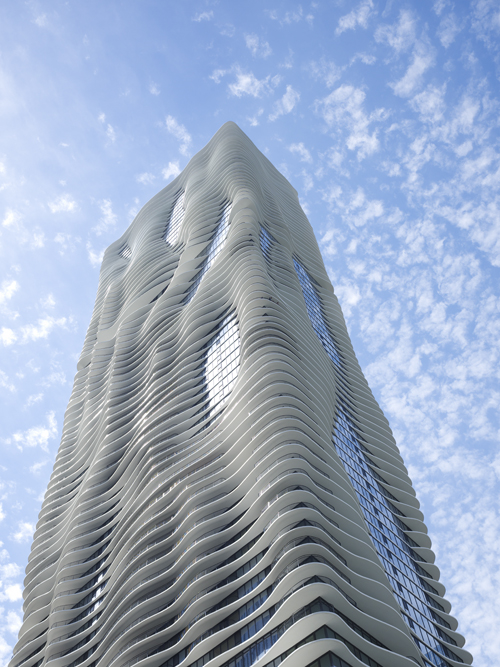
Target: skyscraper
{"x": 227, "y": 490}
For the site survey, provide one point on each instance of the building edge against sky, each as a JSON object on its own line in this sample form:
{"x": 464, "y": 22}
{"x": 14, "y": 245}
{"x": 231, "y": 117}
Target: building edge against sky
{"x": 227, "y": 489}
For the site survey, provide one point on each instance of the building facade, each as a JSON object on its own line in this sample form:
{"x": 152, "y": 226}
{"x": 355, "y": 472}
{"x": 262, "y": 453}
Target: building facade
{"x": 227, "y": 490}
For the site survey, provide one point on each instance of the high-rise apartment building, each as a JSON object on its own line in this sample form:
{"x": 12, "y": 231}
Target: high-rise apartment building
{"x": 227, "y": 490}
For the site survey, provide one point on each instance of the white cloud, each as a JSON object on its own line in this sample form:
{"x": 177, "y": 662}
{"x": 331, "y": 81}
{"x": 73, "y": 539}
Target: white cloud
{"x": 34, "y": 398}
{"x": 5, "y": 651}
{"x": 247, "y": 84}
{"x": 41, "y": 21}
{"x": 344, "y": 108}
{"x": 258, "y": 48}
{"x": 302, "y": 152}
{"x": 422, "y": 59}
{"x": 14, "y": 622}
{"x": 64, "y": 203}
{"x": 286, "y": 104}
{"x": 292, "y": 16}
{"x": 153, "y": 89}
{"x": 326, "y": 70}
{"x": 7, "y": 336}
{"x": 134, "y": 209}
{"x": 13, "y": 592}
{"x": 172, "y": 170}
{"x": 357, "y": 17}
{"x": 11, "y": 218}
{"x": 10, "y": 570}
{"x": 5, "y": 382}
{"x": 254, "y": 120}
{"x": 37, "y": 436}
{"x": 430, "y": 103}
{"x": 110, "y": 133}
{"x": 439, "y": 6}
{"x": 217, "y": 74}
{"x": 228, "y": 30}
{"x": 486, "y": 22}
{"x": 2, "y": 514}
{"x": 448, "y": 30}
{"x": 110, "y": 130}
{"x": 48, "y": 301}
{"x": 203, "y": 16}
{"x": 180, "y": 133}
{"x": 7, "y": 290}
{"x": 358, "y": 210}
{"x": 95, "y": 258}
{"x": 55, "y": 378}
{"x": 349, "y": 296}
{"x": 36, "y": 467}
{"x": 400, "y": 36}
{"x": 308, "y": 184}
{"x": 66, "y": 242}
{"x": 24, "y": 532}
{"x": 37, "y": 240}
{"x": 146, "y": 178}
{"x": 365, "y": 58}
{"x": 42, "y": 329}
{"x": 108, "y": 219}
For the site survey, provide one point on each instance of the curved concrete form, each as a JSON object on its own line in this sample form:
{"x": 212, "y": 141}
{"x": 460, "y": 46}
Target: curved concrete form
{"x": 227, "y": 491}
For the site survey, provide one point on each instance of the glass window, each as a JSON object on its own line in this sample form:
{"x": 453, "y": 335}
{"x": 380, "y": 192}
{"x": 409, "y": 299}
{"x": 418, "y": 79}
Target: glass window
{"x": 266, "y": 243}
{"x": 391, "y": 542}
{"x": 125, "y": 251}
{"x": 175, "y": 220}
{"x": 222, "y": 361}
{"x": 214, "y": 249}
{"x": 315, "y": 312}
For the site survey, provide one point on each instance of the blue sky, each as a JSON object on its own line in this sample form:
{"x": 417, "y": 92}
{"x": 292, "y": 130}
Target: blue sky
{"x": 384, "y": 115}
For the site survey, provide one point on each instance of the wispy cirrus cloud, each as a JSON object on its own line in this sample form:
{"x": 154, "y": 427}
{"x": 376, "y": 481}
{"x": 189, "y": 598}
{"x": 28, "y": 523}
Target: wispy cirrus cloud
{"x": 258, "y": 47}
{"x": 172, "y": 170}
{"x": 7, "y": 290}
{"x": 7, "y": 336}
{"x": 13, "y": 223}
{"x": 180, "y": 132}
{"x": 246, "y": 83}
{"x": 423, "y": 58}
{"x": 343, "y": 111}
{"x": 449, "y": 28}
{"x": 109, "y": 129}
{"x": 203, "y": 16}
{"x": 95, "y": 256}
{"x": 300, "y": 150}
{"x": 63, "y": 204}
{"x": 356, "y": 17}
{"x": 24, "y": 533}
{"x": 290, "y": 17}
{"x": 36, "y": 436}
{"x": 326, "y": 70}
{"x": 286, "y": 104}
{"x": 146, "y": 178}
{"x": 401, "y": 35}
{"x": 108, "y": 219}
{"x": 41, "y": 330}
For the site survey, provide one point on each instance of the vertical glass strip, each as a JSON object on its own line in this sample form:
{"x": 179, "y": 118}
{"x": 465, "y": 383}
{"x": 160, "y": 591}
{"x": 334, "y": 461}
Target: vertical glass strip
{"x": 214, "y": 249}
{"x": 393, "y": 546}
{"x": 266, "y": 243}
{"x": 222, "y": 362}
{"x": 315, "y": 312}
{"x": 176, "y": 217}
